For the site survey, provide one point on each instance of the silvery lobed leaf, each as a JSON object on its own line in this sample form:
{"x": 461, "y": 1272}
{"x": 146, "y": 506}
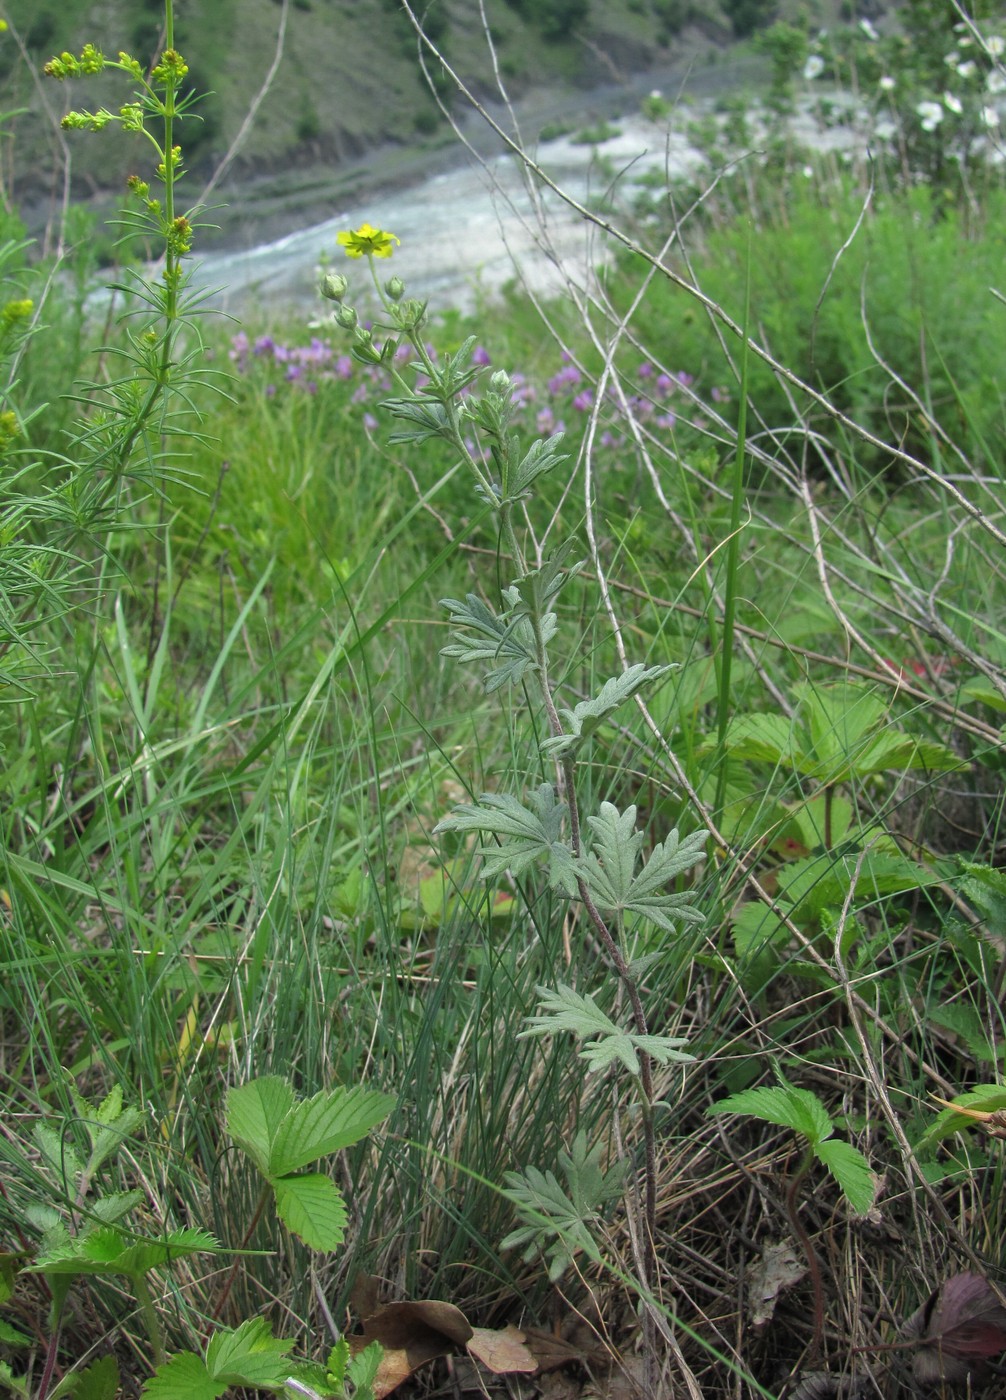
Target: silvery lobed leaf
{"x": 525, "y": 834}
{"x": 542, "y": 457}
{"x": 509, "y": 644}
{"x": 429, "y": 419}
{"x": 534, "y": 591}
{"x": 608, "y": 868}
{"x": 587, "y": 717}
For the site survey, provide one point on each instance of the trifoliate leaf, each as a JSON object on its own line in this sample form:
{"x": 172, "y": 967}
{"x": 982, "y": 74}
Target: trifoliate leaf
{"x": 254, "y": 1114}
{"x": 852, "y": 1172}
{"x": 311, "y": 1207}
{"x": 249, "y": 1355}
{"x": 785, "y": 1105}
{"x": 588, "y": 716}
{"x": 324, "y": 1124}
{"x": 183, "y": 1377}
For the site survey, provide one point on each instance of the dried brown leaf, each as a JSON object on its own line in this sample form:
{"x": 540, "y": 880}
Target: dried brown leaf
{"x": 960, "y": 1325}
{"x": 776, "y": 1270}
{"x": 503, "y": 1351}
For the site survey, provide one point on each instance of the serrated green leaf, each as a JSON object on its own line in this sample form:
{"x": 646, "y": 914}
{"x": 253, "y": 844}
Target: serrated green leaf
{"x": 617, "y": 1048}
{"x": 11, "y": 1337}
{"x": 586, "y": 718}
{"x": 107, "y": 1251}
{"x": 254, "y": 1114}
{"x": 312, "y": 1208}
{"x": 249, "y": 1355}
{"x": 852, "y": 1172}
{"x": 785, "y": 1105}
{"x": 110, "y": 1106}
{"x": 761, "y": 739}
{"x": 113, "y": 1207}
{"x": 566, "y": 1010}
{"x": 183, "y": 1377}
{"x": 363, "y": 1369}
{"x": 508, "y": 642}
{"x": 337, "y": 1362}
{"x": 99, "y": 1381}
{"x": 428, "y": 419}
{"x": 107, "y": 1139}
{"x": 324, "y": 1124}
{"x": 59, "y": 1153}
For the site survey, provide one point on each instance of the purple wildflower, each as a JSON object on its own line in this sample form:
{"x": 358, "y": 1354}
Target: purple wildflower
{"x": 583, "y": 401}
{"x": 480, "y": 356}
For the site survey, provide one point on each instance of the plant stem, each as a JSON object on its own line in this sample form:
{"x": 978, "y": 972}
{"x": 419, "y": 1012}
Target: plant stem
{"x": 810, "y": 1253}
{"x": 151, "y": 1321}
{"x": 225, "y": 1292}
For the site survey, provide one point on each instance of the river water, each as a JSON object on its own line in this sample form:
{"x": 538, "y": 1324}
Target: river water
{"x": 468, "y": 230}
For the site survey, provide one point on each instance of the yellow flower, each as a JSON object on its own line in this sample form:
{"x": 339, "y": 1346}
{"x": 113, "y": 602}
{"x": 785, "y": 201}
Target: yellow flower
{"x": 372, "y": 242}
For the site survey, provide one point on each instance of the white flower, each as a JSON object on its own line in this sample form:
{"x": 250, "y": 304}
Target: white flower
{"x": 965, "y": 41}
{"x": 995, "y": 46}
{"x": 887, "y": 83}
{"x": 996, "y": 81}
{"x": 813, "y": 68}
{"x": 931, "y": 114}
{"x": 990, "y": 116}
{"x": 952, "y": 103}
{"x": 952, "y": 59}
{"x": 967, "y": 70}
{"x": 885, "y": 130}
{"x": 869, "y": 30}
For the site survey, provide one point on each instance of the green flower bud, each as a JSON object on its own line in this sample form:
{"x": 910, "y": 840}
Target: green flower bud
{"x": 395, "y": 288}
{"x": 346, "y": 317}
{"x": 333, "y": 286}
{"x": 500, "y": 382}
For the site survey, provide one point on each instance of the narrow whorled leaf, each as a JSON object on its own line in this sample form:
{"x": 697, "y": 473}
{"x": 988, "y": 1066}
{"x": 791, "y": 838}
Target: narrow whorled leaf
{"x": 586, "y": 718}
{"x": 254, "y": 1114}
{"x": 311, "y": 1207}
{"x": 852, "y": 1172}
{"x": 249, "y": 1355}
{"x": 329, "y": 1121}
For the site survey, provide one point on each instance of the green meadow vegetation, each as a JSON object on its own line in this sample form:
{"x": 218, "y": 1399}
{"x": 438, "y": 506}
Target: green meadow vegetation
{"x": 502, "y": 814}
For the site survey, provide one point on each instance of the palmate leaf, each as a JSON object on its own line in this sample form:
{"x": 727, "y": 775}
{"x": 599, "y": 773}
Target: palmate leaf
{"x": 311, "y": 1206}
{"x": 428, "y": 418}
{"x": 588, "y": 716}
{"x": 542, "y": 456}
{"x": 532, "y": 594}
{"x": 567, "y": 1010}
{"x": 526, "y": 834}
{"x": 507, "y": 642}
{"x": 607, "y": 869}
